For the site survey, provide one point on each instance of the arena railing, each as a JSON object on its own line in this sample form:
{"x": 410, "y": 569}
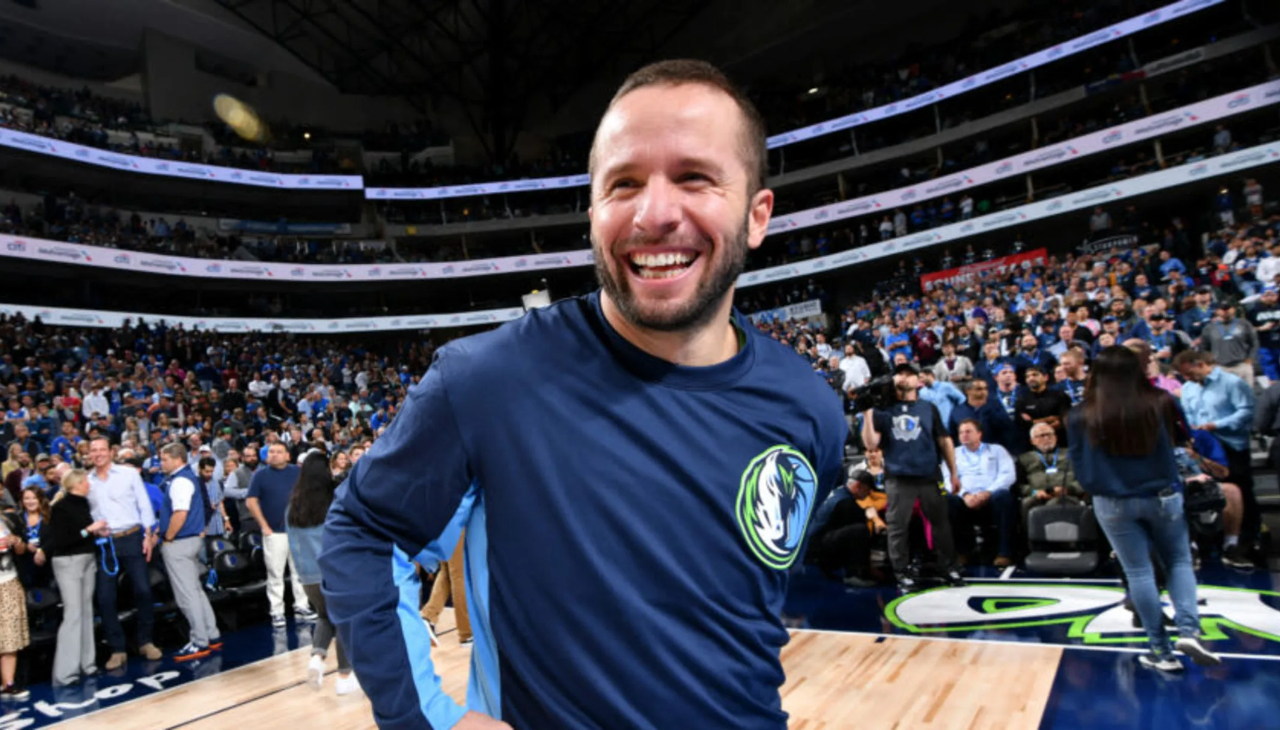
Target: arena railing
{"x": 213, "y": 173}
{"x": 94, "y": 318}
{"x": 1231, "y": 163}
{"x": 1191, "y": 115}
{"x": 849, "y": 164}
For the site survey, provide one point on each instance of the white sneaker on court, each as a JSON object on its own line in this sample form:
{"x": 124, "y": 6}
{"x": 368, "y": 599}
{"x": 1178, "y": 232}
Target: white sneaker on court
{"x": 346, "y": 685}
{"x": 1192, "y": 647}
{"x": 315, "y": 672}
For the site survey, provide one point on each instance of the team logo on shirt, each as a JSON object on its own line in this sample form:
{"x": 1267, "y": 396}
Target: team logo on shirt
{"x": 774, "y": 502}
{"x": 906, "y": 428}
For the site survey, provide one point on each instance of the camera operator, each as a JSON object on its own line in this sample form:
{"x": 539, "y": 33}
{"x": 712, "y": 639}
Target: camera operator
{"x": 911, "y": 433}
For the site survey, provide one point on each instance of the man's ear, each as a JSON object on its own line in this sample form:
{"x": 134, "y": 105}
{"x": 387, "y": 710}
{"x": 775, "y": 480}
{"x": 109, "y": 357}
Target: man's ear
{"x": 758, "y": 216}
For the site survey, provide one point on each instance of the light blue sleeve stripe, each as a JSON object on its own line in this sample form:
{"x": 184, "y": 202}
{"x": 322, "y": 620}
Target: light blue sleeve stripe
{"x": 484, "y": 689}
{"x": 440, "y": 711}
{"x": 442, "y": 547}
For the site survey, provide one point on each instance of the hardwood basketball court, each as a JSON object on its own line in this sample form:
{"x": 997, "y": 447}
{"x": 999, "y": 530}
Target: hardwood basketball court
{"x": 834, "y": 680}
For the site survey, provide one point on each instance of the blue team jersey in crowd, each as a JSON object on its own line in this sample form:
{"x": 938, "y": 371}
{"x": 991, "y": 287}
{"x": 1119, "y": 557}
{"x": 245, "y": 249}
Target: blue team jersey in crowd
{"x": 630, "y": 524}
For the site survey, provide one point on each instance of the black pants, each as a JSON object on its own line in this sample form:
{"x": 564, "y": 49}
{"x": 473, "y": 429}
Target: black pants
{"x": 903, "y": 493}
{"x": 1240, "y": 463}
{"x": 847, "y": 547}
{"x": 128, "y": 554}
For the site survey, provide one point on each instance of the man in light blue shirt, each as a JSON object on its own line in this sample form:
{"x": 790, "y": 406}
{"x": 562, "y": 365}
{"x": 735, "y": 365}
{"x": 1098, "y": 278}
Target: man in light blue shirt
{"x": 1222, "y": 404}
{"x": 986, "y": 474}
{"x": 942, "y": 394}
{"x": 118, "y": 497}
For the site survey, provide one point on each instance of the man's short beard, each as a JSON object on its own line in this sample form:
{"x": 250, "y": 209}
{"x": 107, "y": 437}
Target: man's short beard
{"x": 699, "y": 310}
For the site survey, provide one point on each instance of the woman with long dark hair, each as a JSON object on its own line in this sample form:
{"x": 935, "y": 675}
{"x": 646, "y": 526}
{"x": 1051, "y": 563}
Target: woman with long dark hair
{"x": 308, "y": 506}
{"x": 1121, "y": 445}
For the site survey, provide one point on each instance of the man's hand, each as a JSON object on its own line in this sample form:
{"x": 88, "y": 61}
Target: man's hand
{"x": 267, "y": 531}
{"x": 148, "y": 543}
{"x": 1198, "y": 478}
{"x": 1208, "y": 426}
{"x": 475, "y": 721}
{"x": 39, "y": 557}
{"x": 1044, "y": 495}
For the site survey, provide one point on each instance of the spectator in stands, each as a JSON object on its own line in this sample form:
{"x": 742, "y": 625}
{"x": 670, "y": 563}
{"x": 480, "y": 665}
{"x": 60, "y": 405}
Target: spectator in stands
{"x": 184, "y": 517}
{"x": 1232, "y": 341}
{"x": 1072, "y": 384}
{"x": 1008, "y": 392}
{"x": 14, "y": 633}
{"x": 1202, "y": 459}
{"x": 1265, "y": 319}
{"x": 267, "y": 500}
{"x": 308, "y": 505}
{"x": 236, "y": 489}
{"x": 842, "y": 527}
{"x": 33, "y": 513}
{"x": 1221, "y": 403}
{"x": 941, "y": 393}
{"x": 986, "y": 475}
{"x": 67, "y": 543}
{"x": 1045, "y": 472}
{"x": 952, "y": 368}
{"x": 119, "y": 498}
{"x": 1038, "y": 403}
{"x": 1121, "y": 446}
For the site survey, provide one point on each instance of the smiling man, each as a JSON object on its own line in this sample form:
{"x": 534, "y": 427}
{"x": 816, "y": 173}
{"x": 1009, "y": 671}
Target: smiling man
{"x": 635, "y": 493}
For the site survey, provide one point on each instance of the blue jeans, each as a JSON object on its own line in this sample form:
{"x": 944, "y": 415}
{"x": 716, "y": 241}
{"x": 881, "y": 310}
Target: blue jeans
{"x": 134, "y": 564}
{"x": 1137, "y": 525}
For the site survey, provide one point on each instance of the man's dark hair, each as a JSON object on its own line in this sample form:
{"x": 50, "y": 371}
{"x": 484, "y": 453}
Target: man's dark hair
{"x": 207, "y": 462}
{"x": 678, "y": 72}
{"x": 1194, "y": 357}
{"x": 972, "y": 422}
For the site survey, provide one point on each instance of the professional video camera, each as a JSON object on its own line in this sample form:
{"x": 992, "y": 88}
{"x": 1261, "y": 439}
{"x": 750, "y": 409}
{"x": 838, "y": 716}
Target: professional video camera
{"x": 876, "y": 393}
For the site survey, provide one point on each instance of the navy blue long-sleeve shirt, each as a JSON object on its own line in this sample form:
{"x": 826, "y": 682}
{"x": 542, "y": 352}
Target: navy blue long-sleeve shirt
{"x": 629, "y": 525}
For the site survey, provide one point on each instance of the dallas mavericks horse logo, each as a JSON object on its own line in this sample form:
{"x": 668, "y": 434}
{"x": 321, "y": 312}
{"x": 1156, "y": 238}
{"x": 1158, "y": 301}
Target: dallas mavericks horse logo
{"x": 774, "y": 502}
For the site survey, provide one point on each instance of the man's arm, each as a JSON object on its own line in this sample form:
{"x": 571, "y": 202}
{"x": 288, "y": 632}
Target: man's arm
{"x": 1006, "y": 473}
{"x": 870, "y": 436}
{"x": 1242, "y": 402}
{"x": 949, "y": 456}
{"x": 146, "y": 512}
{"x": 406, "y": 501}
{"x": 254, "y": 506}
{"x": 181, "y": 492}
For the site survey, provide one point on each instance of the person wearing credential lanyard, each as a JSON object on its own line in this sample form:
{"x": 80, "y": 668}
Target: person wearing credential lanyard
{"x": 1233, "y": 342}
{"x": 1072, "y": 363}
{"x": 118, "y": 497}
{"x": 1045, "y": 472}
{"x": 986, "y": 475}
{"x": 183, "y": 520}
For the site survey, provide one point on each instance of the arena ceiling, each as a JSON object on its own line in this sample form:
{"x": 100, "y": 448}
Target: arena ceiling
{"x": 491, "y": 57}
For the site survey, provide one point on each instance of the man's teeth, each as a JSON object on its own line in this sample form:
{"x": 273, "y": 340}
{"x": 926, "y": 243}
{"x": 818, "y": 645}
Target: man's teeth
{"x": 661, "y": 259}
{"x": 646, "y": 273}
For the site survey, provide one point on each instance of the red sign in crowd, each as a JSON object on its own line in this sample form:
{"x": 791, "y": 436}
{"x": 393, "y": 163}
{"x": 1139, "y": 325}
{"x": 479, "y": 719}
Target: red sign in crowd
{"x": 971, "y": 272}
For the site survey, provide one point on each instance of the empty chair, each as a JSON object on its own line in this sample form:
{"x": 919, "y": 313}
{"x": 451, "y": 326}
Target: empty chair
{"x": 1064, "y": 540}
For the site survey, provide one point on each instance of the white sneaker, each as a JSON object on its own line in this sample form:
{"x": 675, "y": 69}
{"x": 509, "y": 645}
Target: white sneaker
{"x": 346, "y": 685}
{"x": 1164, "y": 663}
{"x": 1196, "y": 651}
{"x": 315, "y": 672}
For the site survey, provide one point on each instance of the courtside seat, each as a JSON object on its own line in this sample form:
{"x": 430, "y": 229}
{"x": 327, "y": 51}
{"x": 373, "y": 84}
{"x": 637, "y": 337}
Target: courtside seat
{"x": 1064, "y": 540}
{"x": 44, "y": 613}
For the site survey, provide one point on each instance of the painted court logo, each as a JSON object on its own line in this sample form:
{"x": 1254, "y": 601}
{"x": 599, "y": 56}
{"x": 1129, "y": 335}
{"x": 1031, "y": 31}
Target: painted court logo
{"x": 774, "y": 501}
{"x": 1090, "y": 614}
